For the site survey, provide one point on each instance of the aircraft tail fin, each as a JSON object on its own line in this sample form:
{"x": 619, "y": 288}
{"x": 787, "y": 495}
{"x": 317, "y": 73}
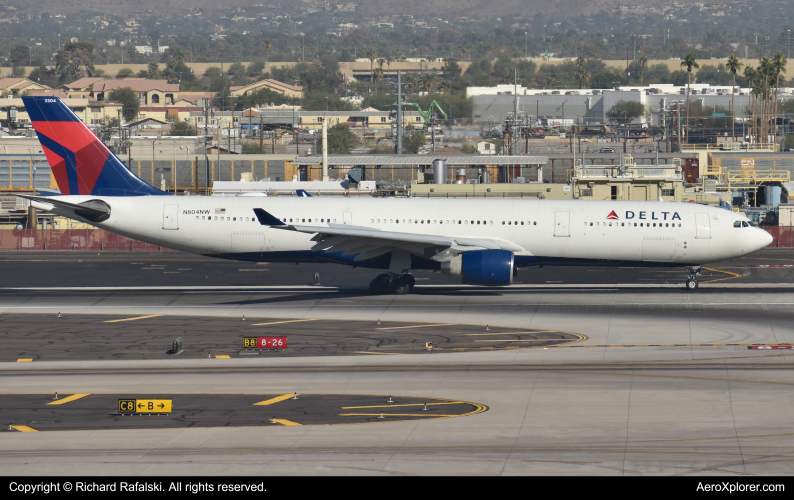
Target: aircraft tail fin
{"x": 80, "y": 161}
{"x": 303, "y": 193}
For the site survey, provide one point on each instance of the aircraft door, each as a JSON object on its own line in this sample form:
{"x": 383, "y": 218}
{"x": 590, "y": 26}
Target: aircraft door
{"x": 170, "y": 217}
{"x": 562, "y": 223}
{"x": 703, "y": 227}
{"x": 347, "y": 217}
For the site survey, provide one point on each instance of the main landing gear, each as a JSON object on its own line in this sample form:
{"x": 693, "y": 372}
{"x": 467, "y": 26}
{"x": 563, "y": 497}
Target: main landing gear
{"x": 692, "y": 278}
{"x": 392, "y": 283}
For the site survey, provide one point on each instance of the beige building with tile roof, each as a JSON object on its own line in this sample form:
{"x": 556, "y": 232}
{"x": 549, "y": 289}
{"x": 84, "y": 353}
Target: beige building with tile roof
{"x": 274, "y": 85}
{"x": 155, "y": 92}
{"x": 17, "y": 86}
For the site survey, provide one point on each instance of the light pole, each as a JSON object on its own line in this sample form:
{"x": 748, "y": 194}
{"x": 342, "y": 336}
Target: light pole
{"x": 303, "y": 47}
{"x": 59, "y": 42}
{"x": 788, "y": 39}
{"x": 525, "y": 45}
{"x": 154, "y": 139}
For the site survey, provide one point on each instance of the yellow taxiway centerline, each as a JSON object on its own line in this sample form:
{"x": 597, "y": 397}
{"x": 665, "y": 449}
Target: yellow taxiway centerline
{"x": 282, "y": 322}
{"x": 133, "y": 319}
{"x": 68, "y": 399}
{"x": 416, "y": 326}
{"x": 277, "y": 399}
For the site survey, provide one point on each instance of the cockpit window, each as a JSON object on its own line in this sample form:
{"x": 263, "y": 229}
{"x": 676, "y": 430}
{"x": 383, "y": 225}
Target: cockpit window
{"x": 737, "y": 223}
{"x": 746, "y": 224}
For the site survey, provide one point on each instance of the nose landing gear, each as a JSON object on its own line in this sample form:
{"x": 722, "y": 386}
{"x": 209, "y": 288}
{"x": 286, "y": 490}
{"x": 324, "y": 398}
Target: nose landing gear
{"x": 392, "y": 283}
{"x": 692, "y": 278}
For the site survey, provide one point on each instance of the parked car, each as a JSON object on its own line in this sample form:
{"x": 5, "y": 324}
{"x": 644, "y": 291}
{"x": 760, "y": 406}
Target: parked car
{"x": 606, "y": 150}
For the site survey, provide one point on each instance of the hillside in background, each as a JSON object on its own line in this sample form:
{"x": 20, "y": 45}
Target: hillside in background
{"x": 370, "y": 8}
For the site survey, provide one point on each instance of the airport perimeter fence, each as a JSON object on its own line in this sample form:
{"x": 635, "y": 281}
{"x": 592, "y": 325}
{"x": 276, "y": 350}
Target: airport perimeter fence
{"x": 94, "y": 240}
{"x": 99, "y": 240}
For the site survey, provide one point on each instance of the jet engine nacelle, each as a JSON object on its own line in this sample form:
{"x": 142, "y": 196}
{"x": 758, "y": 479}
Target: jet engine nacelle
{"x": 482, "y": 267}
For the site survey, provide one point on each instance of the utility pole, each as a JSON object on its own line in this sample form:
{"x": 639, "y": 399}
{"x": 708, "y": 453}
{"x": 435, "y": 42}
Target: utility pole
{"x": 399, "y": 112}
{"x": 261, "y": 135}
{"x": 206, "y": 155}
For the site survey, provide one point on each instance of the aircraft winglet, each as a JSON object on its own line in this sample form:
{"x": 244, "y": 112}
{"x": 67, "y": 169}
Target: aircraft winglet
{"x": 266, "y": 219}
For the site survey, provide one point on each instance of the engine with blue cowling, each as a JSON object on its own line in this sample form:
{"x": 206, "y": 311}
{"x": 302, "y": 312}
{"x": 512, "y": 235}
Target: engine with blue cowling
{"x": 482, "y": 267}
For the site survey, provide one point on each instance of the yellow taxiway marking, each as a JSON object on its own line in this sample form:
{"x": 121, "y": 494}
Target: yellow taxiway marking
{"x": 519, "y": 340}
{"x": 385, "y": 353}
{"x": 23, "y": 428}
{"x": 222, "y": 356}
{"x": 732, "y": 275}
{"x": 281, "y": 322}
{"x": 68, "y": 399}
{"x": 415, "y": 326}
{"x": 397, "y": 406}
{"x": 288, "y": 423}
{"x": 395, "y": 415}
{"x": 133, "y": 319}
{"x": 24, "y": 360}
{"x": 514, "y": 333}
{"x": 277, "y": 399}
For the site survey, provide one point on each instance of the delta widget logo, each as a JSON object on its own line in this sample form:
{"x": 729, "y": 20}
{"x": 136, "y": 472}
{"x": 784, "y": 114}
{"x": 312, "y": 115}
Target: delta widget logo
{"x": 613, "y": 216}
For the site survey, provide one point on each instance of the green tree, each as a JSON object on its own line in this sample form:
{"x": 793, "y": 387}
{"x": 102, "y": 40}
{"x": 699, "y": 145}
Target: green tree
{"x": 268, "y": 45}
{"x": 125, "y": 73}
{"x": 250, "y": 148}
{"x": 153, "y": 69}
{"x": 372, "y": 54}
{"x": 76, "y": 60}
{"x": 413, "y": 142}
{"x": 643, "y": 66}
{"x": 340, "y": 139}
{"x": 130, "y": 102}
{"x": 182, "y": 128}
{"x": 733, "y": 66}
{"x": 688, "y": 62}
{"x": 778, "y": 67}
{"x": 451, "y": 69}
{"x": 625, "y": 111}
{"x": 19, "y": 56}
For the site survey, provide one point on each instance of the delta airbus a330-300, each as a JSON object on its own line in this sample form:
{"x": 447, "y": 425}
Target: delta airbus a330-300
{"x": 482, "y": 241}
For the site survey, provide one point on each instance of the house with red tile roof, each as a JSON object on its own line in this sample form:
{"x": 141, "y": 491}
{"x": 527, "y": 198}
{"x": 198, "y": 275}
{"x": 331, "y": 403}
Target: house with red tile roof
{"x": 274, "y": 85}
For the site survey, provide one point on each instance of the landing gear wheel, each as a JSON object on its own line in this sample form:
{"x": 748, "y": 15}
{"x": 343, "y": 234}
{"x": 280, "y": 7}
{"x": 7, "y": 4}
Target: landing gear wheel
{"x": 410, "y": 280}
{"x": 402, "y": 285}
{"x": 380, "y": 285}
{"x": 691, "y": 284}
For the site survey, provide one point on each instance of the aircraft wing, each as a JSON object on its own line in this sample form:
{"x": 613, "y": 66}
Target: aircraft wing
{"x": 367, "y": 243}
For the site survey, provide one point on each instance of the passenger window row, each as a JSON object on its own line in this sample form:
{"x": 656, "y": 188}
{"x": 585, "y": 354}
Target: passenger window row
{"x": 629, "y": 224}
{"x": 227, "y": 219}
{"x": 422, "y": 221}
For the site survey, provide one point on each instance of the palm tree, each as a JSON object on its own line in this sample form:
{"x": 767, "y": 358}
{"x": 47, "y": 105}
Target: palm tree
{"x": 751, "y": 75}
{"x": 643, "y": 64}
{"x": 381, "y": 62}
{"x": 153, "y": 69}
{"x": 469, "y": 48}
{"x": 389, "y": 60}
{"x": 268, "y": 46}
{"x": 765, "y": 68}
{"x": 378, "y": 73}
{"x": 778, "y": 66}
{"x": 372, "y": 54}
{"x": 689, "y": 62}
{"x": 733, "y": 66}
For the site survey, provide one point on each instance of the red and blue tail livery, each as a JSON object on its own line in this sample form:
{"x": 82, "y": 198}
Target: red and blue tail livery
{"x": 80, "y": 162}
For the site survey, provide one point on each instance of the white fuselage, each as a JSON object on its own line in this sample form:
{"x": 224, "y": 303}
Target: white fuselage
{"x": 663, "y": 232}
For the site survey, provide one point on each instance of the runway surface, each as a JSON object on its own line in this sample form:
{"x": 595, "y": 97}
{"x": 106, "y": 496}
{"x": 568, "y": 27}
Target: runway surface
{"x": 691, "y": 396}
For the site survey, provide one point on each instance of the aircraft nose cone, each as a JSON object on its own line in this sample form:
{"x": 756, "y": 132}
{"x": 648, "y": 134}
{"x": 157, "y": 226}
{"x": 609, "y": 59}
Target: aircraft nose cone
{"x": 766, "y": 239}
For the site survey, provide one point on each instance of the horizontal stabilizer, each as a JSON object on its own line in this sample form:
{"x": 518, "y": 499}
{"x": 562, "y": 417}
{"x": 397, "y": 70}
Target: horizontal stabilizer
{"x": 92, "y": 210}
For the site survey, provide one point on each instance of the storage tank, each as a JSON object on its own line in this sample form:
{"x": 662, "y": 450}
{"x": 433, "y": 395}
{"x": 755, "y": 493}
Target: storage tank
{"x": 461, "y": 177}
{"x": 439, "y": 171}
